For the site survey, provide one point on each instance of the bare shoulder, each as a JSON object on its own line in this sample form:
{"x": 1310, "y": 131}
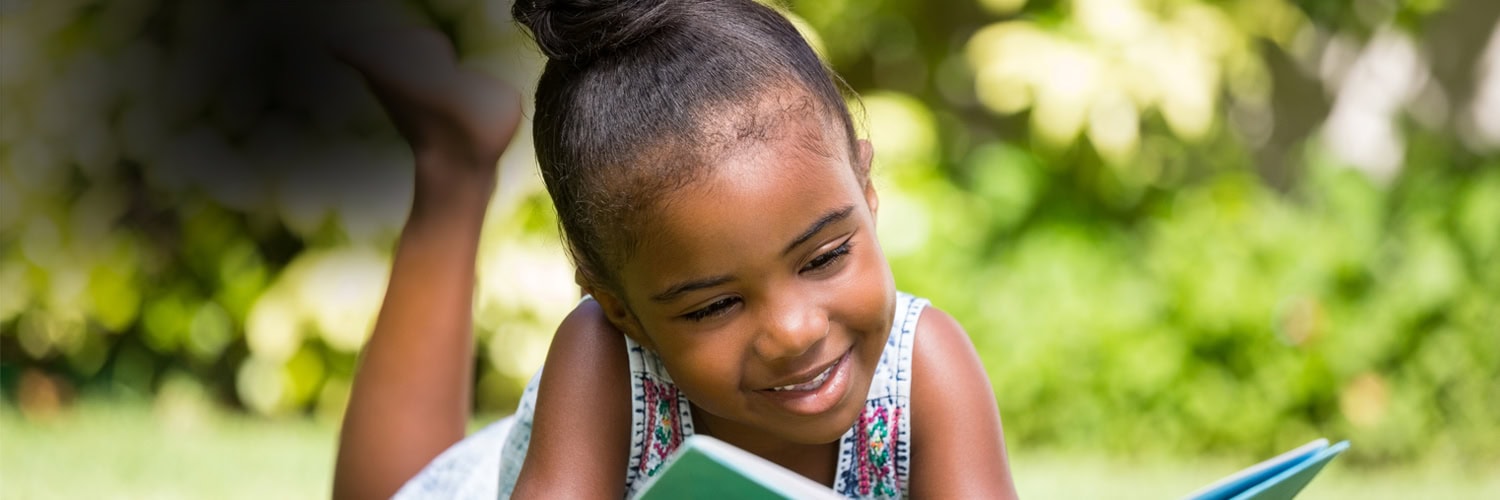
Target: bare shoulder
{"x": 958, "y": 447}
{"x": 945, "y": 366}
{"x": 580, "y": 436}
{"x": 944, "y": 361}
{"x": 940, "y": 338}
{"x": 586, "y": 332}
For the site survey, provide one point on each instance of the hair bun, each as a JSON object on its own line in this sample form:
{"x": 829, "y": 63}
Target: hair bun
{"x": 574, "y": 30}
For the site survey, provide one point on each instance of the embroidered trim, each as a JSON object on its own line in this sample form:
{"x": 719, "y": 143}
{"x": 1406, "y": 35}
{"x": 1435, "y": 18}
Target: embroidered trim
{"x": 876, "y": 466}
{"x": 663, "y": 428}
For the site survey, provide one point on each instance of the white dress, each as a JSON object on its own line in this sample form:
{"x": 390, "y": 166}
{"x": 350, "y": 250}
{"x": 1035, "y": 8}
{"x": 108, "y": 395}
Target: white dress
{"x": 873, "y": 454}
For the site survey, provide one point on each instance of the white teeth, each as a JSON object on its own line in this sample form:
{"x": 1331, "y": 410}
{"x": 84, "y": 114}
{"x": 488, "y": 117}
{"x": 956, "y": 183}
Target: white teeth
{"x": 815, "y": 383}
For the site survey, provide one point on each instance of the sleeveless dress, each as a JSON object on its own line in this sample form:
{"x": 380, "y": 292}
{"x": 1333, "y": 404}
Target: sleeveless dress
{"x": 873, "y": 454}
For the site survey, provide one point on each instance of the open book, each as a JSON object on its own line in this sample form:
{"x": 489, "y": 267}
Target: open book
{"x": 704, "y": 467}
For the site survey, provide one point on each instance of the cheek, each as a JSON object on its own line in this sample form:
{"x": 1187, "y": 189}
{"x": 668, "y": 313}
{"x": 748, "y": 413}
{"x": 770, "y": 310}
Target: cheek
{"x": 869, "y": 297}
{"x": 706, "y": 363}
{"x": 710, "y": 377}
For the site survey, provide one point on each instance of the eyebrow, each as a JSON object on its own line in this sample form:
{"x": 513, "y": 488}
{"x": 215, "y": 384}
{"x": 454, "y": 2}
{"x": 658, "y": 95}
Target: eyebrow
{"x": 688, "y": 286}
{"x": 677, "y": 290}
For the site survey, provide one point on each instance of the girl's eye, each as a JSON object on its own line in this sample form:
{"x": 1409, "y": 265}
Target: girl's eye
{"x": 827, "y": 259}
{"x": 713, "y": 310}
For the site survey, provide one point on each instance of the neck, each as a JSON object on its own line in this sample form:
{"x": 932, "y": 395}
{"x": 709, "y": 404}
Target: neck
{"x": 818, "y": 462}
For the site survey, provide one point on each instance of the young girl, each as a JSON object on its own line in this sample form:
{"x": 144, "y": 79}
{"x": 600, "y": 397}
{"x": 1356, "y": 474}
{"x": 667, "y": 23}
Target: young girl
{"x": 720, "y": 211}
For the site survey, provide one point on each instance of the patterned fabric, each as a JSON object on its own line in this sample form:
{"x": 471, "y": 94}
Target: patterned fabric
{"x": 662, "y": 419}
{"x": 873, "y": 454}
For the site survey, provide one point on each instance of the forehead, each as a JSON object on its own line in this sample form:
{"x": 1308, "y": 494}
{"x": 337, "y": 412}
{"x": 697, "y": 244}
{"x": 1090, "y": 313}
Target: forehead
{"x": 749, "y": 205}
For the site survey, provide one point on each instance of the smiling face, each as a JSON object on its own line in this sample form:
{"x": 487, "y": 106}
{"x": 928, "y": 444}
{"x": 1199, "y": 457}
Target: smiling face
{"x": 763, "y": 289}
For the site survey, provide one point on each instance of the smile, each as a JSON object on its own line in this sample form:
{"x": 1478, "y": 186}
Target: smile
{"x": 813, "y": 384}
{"x": 818, "y": 394}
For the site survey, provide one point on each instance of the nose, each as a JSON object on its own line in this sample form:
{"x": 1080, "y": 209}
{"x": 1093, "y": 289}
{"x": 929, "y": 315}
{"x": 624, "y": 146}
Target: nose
{"x": 790, "y": 328}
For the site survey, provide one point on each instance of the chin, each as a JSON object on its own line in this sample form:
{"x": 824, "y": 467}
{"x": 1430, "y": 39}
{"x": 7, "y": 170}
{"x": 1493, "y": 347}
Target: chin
{"x": 841, "y": 419}
{"x": 830, "y": 430}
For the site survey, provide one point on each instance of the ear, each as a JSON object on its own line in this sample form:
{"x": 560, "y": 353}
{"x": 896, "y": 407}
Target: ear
{"x": 620, "y": 315}
{"x": 864, "y": 156}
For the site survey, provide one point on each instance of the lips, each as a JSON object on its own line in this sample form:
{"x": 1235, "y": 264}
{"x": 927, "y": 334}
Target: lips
{"x": 805, "y": 383}
{"x": 814, "y": 394}
{"x": 810, "y": 385}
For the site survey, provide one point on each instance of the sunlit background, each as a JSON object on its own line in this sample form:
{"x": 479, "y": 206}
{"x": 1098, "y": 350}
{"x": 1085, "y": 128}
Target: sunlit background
{"x": 1184, "y": 234}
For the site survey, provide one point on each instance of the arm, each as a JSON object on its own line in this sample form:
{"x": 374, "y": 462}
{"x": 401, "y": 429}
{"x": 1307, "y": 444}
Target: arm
{"x": 411, "y": 392}
{"x": 958, "y": 448}
{"x": 580, "y": 436}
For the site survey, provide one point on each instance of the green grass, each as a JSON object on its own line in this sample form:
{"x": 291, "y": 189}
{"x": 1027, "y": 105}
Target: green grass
{"x": 135, "y": 451}
{"x": 1045, "y": 475}
{"x": 100, "y": 450}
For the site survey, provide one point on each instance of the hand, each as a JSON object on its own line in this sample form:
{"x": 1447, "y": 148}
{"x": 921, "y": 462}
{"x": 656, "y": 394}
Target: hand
{"x": 457, "y": 121}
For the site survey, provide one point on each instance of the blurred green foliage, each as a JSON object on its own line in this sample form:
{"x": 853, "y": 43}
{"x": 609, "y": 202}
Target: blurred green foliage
{"x": 1147, "y": 214}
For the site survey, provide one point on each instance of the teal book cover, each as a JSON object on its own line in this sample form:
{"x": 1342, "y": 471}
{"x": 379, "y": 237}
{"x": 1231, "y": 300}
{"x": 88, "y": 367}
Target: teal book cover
{"x": 704, "y": 467}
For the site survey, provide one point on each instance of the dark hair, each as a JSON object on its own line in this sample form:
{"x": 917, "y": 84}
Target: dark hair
{"x": 635, "y": 97}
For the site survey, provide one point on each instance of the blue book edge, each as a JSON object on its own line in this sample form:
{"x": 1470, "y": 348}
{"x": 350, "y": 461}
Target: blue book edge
{"x": 1289, "y": 482}
{"x": 1281, "y": 476}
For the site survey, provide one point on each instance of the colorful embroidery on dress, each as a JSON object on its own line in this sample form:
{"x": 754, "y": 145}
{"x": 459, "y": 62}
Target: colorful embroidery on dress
{"x": 876, "y": 466}
{"x": 664, "y": 430}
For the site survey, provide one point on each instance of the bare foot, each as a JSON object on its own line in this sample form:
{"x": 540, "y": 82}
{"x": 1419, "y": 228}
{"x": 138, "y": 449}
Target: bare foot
{"x": 453, "y": 115}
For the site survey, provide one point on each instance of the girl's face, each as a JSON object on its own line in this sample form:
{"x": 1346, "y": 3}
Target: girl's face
{"x": 764, "y": 290}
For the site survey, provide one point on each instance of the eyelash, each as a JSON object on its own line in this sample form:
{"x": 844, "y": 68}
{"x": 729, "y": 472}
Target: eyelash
{"x": 722, "y": 306}
{"x": 712, "y": 310}
{"x": 827, "y": 259}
